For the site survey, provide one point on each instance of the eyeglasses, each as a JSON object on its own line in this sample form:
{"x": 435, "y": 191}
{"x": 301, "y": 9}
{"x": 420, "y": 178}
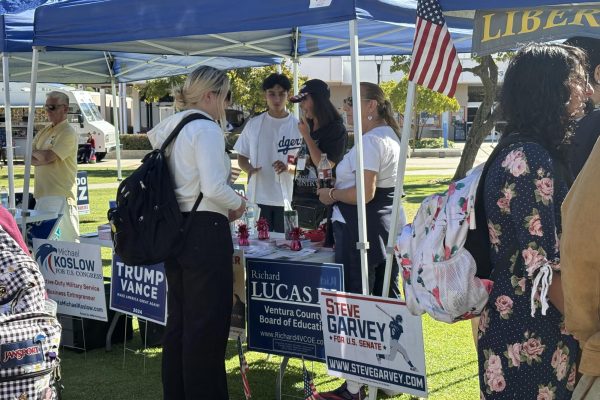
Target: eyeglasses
{"x": 52, "y": 107}
{"x": 582, "y": 81}
{"x": 348, "y": 101}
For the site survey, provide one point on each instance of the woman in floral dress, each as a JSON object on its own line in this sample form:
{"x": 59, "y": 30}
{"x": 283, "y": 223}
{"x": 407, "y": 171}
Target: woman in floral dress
{"x": 524, "y": 352}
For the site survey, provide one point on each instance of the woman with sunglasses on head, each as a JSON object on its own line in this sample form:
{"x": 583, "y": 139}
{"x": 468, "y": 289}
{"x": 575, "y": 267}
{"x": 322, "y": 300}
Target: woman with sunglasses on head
{"x": 523, "y": 348}
{"x": 323, "y": 131}
{"x": 200, "y": 277}
{"x": 381, "y": 152}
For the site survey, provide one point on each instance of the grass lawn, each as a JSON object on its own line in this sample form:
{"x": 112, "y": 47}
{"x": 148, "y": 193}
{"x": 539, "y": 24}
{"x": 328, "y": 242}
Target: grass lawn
{"x": 450, "y": 354}
{"x": 96, "y": 174}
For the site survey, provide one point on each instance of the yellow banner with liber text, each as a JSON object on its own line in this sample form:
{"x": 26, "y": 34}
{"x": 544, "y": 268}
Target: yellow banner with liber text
{"x": 507, "y": 29}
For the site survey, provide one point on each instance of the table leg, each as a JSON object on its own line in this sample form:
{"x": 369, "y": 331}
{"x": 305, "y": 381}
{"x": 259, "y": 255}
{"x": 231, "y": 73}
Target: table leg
{"x": 279, "y": 382}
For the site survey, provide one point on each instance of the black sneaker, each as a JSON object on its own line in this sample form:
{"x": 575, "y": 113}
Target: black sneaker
{"x": 342, "y": 393}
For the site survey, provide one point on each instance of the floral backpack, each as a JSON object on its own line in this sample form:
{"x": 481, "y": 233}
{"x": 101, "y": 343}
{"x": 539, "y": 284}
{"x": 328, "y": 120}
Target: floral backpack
{"x": 444, "y": 254}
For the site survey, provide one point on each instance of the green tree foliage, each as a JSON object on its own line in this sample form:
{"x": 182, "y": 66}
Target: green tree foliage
{"x": 246, "y": 86}
{"x": 426, "y": 101}
{"x": 155, "y": 89}
{"x": 485, "y": 117}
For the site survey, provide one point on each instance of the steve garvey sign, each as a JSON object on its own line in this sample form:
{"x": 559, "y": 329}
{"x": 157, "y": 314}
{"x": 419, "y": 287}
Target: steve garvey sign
{"x": 373, "y": 340}
{"x": 73, "y": 276}
{"x": 501, "y": 30}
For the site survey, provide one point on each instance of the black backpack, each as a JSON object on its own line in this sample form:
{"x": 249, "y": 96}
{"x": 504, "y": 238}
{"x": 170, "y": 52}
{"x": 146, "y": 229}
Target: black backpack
{"x": 147, "y": 225}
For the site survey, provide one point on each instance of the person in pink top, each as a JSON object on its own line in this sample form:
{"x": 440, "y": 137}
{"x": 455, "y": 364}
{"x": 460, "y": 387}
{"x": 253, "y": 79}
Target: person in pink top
{"x": 8, "y": 223}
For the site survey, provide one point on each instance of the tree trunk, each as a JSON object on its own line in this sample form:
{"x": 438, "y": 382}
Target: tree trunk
{"x": 484, "y": 120}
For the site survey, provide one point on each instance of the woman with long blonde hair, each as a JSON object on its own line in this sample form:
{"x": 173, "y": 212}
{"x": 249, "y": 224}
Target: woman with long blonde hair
{"x": 199, "y": 277}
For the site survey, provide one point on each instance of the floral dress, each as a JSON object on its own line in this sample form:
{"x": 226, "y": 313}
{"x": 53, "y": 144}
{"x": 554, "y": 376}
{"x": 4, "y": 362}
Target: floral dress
{"x": 523, "y": 356}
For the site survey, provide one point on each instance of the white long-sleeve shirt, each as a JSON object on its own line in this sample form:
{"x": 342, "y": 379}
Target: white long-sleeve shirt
{"x": 197, "y": 162}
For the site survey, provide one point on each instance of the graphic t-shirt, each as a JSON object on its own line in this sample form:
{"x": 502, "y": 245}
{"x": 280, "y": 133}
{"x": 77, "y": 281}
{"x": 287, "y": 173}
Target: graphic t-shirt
{"x": 265, "y": 140}
{"x": 331, "y": 139}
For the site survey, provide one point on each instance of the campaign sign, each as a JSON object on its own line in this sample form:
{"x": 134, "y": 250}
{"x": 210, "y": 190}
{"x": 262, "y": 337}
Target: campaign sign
{"x": 284, "y": 316}
{"x": 83, "y": 198}
{"x": 373, "y": 340}
{"x": 238, "y": 311}
{"x": 73, "y": 275}
{"x": 139, "y": 290}
{"x": 239, "y": 189}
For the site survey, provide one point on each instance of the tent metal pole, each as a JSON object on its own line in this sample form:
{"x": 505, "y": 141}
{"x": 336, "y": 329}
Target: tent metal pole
{"x": 116, "y": 123}
{"x": 295, "y": 65}
{"x": 295, "y": 71}
{"x": 410, "y": 99}
{"x": 362, "y": 244}
{"x": 28, "y": 150}
{"x": 9, "y": 135}
{"x": 123, "y": 106}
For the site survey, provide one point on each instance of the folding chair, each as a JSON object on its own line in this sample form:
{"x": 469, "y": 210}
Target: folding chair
{"x": 48, "y": 229}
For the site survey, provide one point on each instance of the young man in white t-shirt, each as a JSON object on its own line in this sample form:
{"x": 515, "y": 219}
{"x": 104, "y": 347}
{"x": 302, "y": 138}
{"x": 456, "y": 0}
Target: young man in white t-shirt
{"x": 266, "y": 150}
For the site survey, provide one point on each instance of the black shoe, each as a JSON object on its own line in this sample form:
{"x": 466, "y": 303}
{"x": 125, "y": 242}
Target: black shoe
{"x": 342, "y": 393}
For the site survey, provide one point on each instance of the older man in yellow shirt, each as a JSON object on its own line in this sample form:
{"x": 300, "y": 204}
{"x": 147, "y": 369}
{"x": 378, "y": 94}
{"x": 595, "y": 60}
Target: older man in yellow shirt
{"x": 54, "y": 156}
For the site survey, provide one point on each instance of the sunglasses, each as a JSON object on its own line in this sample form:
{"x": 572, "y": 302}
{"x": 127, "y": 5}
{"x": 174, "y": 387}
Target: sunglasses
{"x": 582, "y": 81}
{"x": 52, "y": 107}
{"x": 348, "y": 101}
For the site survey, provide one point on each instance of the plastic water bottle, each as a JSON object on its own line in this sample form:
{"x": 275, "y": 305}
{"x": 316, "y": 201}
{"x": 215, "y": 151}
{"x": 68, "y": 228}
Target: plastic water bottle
{"x": 4, "y": 197}
{"x": 325, "y": 173}
{"x": 250, "y": 218}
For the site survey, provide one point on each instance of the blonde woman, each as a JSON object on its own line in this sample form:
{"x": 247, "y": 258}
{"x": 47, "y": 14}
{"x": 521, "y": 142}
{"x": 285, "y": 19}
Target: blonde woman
{"x": 200, "y": 277}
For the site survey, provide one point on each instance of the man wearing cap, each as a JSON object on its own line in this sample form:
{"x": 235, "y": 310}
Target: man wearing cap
{"x": 266, "y": 150}
{"x": 323, "y": 131}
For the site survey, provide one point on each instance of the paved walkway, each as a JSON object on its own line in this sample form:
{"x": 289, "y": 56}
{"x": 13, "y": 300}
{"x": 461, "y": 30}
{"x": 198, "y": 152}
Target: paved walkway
{"x": 414, "y": 166}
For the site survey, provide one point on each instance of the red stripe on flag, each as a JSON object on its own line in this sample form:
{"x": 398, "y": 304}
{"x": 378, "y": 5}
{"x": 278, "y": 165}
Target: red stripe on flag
{"x": 450, "y": 84}
{"x": 434, "y": 63}
{"x": 417, "y": 50}
{"x": 442, "y": 62}
{"x": 433, "y": 34}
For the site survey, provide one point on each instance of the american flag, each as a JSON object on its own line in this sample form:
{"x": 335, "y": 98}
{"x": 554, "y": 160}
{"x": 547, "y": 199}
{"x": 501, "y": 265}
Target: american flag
{"x": 435, "y": 63}
{"x": 310, "y": 391}
{"x": 244, "y": 370}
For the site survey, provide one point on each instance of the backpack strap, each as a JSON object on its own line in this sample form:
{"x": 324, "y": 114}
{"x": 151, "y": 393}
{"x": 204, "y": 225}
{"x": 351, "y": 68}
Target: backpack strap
{"x": 478, "y": 241}
{"x": 179, "y": 127}
{"x": 172, "y": 136}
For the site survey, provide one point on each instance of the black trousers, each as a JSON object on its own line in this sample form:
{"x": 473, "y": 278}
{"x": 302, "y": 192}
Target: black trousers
{"x": 274, "y": 216}
{"x": 200, "y": 299}
{"x": 352, "y": 267}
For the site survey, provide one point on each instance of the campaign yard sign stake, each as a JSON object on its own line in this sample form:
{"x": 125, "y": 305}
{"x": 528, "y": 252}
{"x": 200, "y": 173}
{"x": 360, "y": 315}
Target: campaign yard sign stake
{"x": 284, "y": 316}
{"x": 373, "y": 340}
{"x": 73, "y": 275}
{"x": 238, "y": 310}
{"x": 139, "y": 290}
{"x": 83, "y": 198}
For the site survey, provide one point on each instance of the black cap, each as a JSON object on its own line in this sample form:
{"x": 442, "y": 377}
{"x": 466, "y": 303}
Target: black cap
{"x": 313, "y": 86}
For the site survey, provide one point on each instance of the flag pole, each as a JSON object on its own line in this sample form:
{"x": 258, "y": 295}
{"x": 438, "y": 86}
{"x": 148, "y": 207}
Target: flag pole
{"x": 397, "y": 204}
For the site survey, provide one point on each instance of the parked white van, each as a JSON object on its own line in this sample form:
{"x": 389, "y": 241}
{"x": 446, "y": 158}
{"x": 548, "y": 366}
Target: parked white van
{"x": 83, "y": 116}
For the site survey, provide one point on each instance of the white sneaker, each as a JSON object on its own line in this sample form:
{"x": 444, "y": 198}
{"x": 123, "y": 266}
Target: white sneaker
{"x": 390, "y": 392}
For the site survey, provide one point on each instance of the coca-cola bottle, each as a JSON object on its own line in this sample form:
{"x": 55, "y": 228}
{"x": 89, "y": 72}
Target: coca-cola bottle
{"x": 325, "y": 174}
